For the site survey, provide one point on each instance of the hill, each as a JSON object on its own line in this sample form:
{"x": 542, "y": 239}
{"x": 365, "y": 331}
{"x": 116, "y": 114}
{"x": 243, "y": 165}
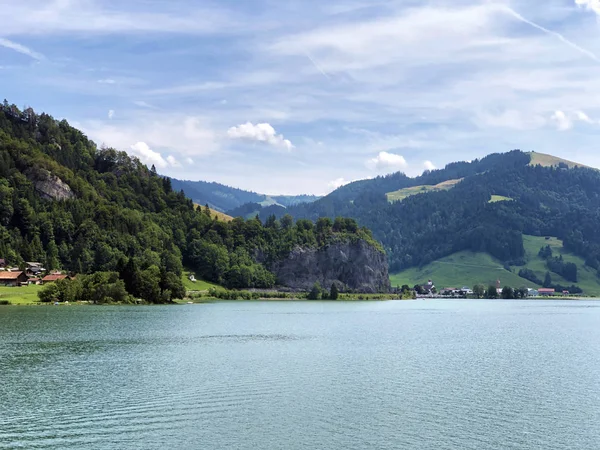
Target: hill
{"x": 460, "y": 269}
{"x": 469, "y": 268}
{"x": 224, "y": 198}
{"x": 122, "y": 228}
{"x": 501, "y": 198}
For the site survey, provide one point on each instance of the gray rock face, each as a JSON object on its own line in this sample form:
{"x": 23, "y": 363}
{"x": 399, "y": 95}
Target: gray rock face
{"x": 352, "y": 266}
{"x": 49, "y": 186}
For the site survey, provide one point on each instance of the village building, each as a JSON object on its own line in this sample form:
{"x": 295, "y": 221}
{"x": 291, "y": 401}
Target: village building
{"x": 12, "y": 279}
{"x": 428, "y": 288}
{"x": 34, "y": 268}
{"x": 546, "y": 291}
{"x": 55, "y": 277}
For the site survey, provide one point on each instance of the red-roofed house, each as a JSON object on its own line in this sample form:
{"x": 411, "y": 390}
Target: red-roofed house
{"x": 12, "y": 278}
{"x": 55, "y": 277}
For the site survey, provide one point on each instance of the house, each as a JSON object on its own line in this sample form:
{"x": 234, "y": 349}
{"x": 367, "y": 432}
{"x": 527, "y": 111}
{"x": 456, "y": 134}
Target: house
{"x": 546, "y": 291}
{"x": 449, "y": 291}
{"x": 12, "y": 278}
{"x": 34, "y": 268}
{"x": 428, "y": 288}
{"x": 55, "y": 277}
{"x": 565, "y": 292}
{"x": 34, "y": 280}
{"x": 532, "y": 292}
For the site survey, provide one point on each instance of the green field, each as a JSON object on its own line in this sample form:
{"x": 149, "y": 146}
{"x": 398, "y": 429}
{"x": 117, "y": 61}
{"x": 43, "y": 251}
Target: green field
{"x": 499, "y": 198}
{"x": 25, "y": 295}
{"x": 469, "y": 268}
{"x": 586, "y": 277}
{"x": 458, "y": 270}
{"x": 198, "y": 285}
{"x": 401, "y": 194}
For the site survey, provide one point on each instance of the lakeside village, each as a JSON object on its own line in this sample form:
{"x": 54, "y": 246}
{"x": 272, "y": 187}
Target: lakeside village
{"x": 429, "y": 290}
{"x": 33, "y": 273}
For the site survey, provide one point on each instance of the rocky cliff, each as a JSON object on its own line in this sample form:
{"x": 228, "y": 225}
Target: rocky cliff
{"x": 49, "y": 186}
{"x": 353, "y": 266}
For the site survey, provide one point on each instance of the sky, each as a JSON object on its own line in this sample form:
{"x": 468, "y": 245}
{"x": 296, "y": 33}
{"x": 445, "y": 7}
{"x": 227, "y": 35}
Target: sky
{"x": 303, "y": 96}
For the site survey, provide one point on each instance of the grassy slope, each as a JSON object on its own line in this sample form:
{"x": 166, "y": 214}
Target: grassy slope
{"x": 198, "y": 285}
{"x": 499, "y": 198}
{"x": 468, "y": 269}
{"x": 586, "y": 277}
{"x": 221, "y": 216}
{"x": 458, "y": 270}
{"x": 25, "y": 295}
{"x": 407, "y": 192}
{"x": 548, "y": 160}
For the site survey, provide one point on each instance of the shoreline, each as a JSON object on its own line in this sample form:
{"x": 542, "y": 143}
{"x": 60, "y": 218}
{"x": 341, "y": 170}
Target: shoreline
{"x": 346, "y": 300}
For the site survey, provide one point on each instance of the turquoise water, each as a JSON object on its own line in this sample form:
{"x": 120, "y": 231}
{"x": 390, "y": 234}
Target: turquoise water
{"x": 445, "y": 374}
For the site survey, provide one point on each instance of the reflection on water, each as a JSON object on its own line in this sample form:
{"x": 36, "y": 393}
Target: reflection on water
{"x": 447, "y": 374}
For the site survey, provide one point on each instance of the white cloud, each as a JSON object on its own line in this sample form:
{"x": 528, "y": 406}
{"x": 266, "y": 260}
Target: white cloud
{"x": 428, "y": 165}
{"x": 189, "y": 161}
{"x": 148, "y": 156}
{"x": 143, "y": 104}
{"x": 389, "y": 162}
{"x": 93, "y": 17}
{"x": 185, "y": 135}
{"x": 107, "y": 81}
{"x": 172, "y": 161}
{"x": 111, "y": 113}
{"x": 337, "y": 183}
{"x": 151, "y": 157}
{"x": 261, "y": 132}
{"x": 513, "y": 119}
{"x": 583, "y": 117}
{"x": 563, "y": 122}
{"x": 590, "y": 5}
{"x": 21, "y": 49}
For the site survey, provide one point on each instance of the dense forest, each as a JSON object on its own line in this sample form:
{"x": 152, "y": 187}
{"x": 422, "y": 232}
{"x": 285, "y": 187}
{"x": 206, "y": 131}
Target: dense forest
{"x": 72, "y": 206}
{"x": 540, "y": 201}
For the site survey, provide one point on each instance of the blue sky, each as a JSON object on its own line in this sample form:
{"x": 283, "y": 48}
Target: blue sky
{"x": 304, "y": 95}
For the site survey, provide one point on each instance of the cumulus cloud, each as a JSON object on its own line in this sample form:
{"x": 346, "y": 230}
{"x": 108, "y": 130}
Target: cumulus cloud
{"x": 428, "y": 165}
{"x": 387, "y": 162}
{"x": 590, "y": 5}
{"x": 111, "y": 113}
{"x": 261, "y": 132}
{"x": 189, "y": 161}
{"x": 583, "y": 117}
{"x": 563, "y": 122}
{"x": 149, "y": 156}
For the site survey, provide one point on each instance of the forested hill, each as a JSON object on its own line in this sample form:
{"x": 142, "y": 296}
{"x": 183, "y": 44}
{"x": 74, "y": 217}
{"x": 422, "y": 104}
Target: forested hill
{"x": 487, "y": 207}
{"x": 72, "y": 206}
{"x": 225, "y": 198}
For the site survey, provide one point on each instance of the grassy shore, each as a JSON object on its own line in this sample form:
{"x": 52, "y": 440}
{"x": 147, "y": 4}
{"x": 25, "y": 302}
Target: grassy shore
{"x": 24, "y": 295}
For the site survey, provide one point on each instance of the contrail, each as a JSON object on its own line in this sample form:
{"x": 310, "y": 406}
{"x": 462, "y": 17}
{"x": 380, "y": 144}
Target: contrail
{"x": 325, "y": 74}
{"x": 571, "y": 44}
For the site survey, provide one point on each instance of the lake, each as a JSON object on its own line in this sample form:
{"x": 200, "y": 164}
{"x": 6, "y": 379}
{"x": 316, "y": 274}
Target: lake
{"x": 426, "y": 374}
